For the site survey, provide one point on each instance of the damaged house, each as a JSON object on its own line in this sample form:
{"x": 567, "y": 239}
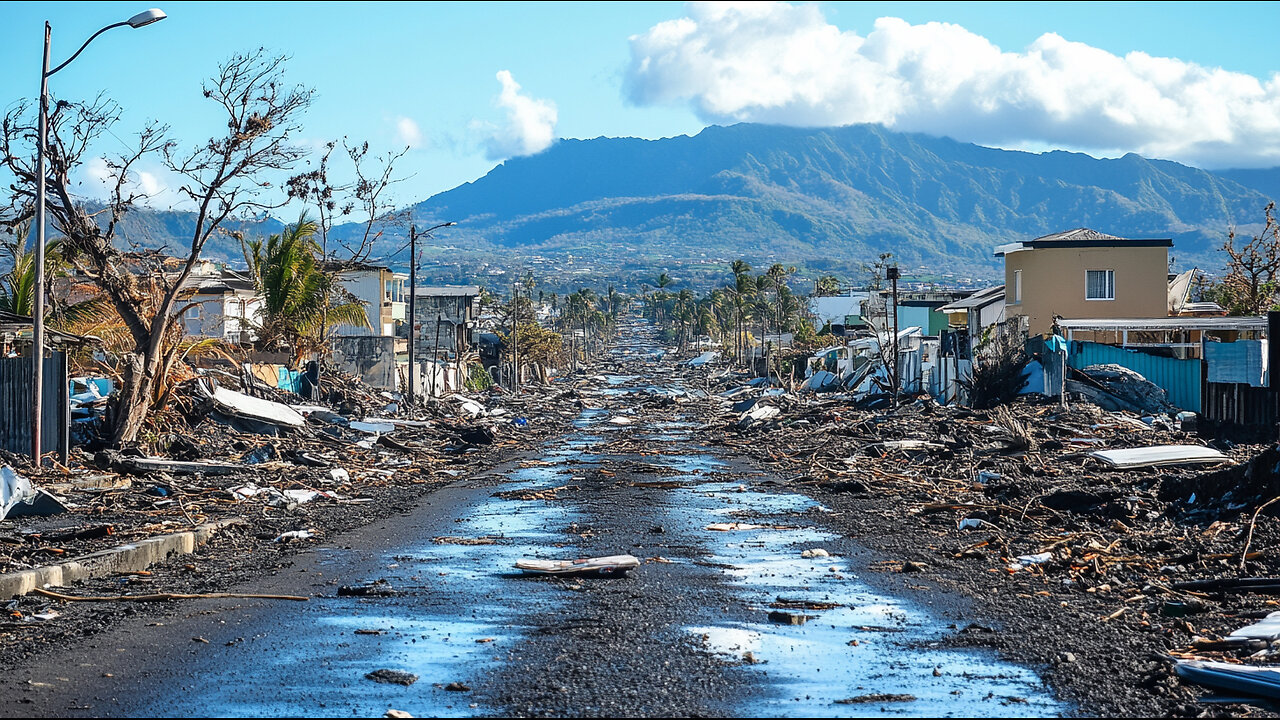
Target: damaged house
{"x": 445, "y": 334}
{"x": 372, "y": 353}
{"x": 225, "y": 305}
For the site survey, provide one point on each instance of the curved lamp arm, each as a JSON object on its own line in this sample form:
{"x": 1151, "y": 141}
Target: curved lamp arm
{"x": 85, "y": 45}
{"x": 142, "y": 19}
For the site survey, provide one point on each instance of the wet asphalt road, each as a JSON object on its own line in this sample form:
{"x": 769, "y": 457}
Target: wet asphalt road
{"x": 688, "y": 633}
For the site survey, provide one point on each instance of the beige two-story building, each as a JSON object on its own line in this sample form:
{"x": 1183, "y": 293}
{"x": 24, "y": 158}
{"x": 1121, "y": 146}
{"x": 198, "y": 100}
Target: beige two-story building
{"x": 1083, "y": 273}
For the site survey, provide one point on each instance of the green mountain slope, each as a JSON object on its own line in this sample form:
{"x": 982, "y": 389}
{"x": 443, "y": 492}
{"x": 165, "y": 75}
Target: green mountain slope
{"x": 848, "y": 192}
{"x": 830, "y": 197}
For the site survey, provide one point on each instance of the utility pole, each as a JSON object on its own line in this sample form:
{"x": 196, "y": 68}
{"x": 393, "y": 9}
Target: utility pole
{"x": 37, "y": 313}
{"x": 413, "y": 299}
{"x": 142, "y": 19}
{"x": 435, "y": 356}
{"x": 892, "y": 274}
{"x": 515, "y": 327}
{"x": 413, "y": 307}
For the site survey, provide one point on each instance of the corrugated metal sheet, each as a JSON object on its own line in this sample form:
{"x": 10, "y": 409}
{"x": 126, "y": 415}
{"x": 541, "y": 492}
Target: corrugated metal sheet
{"x": 1242, "y": 361}
{"x": 15, "y": 405}
{"x": 1179, "y": 378}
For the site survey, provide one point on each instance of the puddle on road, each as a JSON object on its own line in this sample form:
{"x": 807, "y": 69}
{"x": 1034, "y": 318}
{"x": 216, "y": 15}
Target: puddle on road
{"x": 871, "y": 644}
{"x": 451, "y": 621}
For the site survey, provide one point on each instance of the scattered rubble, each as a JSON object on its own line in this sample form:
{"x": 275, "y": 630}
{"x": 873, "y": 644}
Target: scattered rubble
{"x": 1120, "y": 518}
{"x": 394, "y": 677}
{"x": 1116, "y": 509}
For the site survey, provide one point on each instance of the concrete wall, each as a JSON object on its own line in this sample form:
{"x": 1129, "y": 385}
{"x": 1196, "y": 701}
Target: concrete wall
{"x": 1053, "y": 283}
{"x": 454, "y": 313}
{"x": 448, "y": 378}
{"x": 370, "y": 357}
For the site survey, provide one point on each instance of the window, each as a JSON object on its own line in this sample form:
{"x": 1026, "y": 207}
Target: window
{"x": 1099, "y": 284}
{"x": 1017, "y": 286}
{"x": 193, "y": 312}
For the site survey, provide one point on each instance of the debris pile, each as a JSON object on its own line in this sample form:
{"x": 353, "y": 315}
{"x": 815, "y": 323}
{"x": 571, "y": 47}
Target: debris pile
{"x": 1114, "y": 509}
{"x": 231, "y": 446}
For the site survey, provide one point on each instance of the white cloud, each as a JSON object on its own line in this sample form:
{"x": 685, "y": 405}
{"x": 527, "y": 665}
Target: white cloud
{"x": 408, "y": 133}
{"x": 98, "y": 174}
{"x": 150, "y": 184}
{"x": 99, "y": 179}
{"x": 530, "y": 125}
{"x": 785, "y": 64}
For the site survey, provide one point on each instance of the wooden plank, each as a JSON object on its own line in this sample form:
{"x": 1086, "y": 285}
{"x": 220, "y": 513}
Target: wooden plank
{"x": 610, "y": 564}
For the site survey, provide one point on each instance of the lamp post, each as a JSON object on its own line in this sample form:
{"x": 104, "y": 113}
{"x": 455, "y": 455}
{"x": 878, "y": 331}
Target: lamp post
{"x": 413, "y": 300}
{"x": 142, "y": 19}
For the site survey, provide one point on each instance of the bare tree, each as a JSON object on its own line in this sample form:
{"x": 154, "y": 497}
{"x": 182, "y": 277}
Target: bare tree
{"x": 1252, "y": 284}
{"x": 313, "y": 188}
{"x": 367, "y": 191}
{"x": 224, "y": 178}
{"x": 373, "y": 177}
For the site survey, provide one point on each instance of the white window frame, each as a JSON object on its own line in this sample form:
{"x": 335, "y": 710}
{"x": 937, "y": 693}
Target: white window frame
{"x": 1110, "y": 284}
{"x": 193, "y": 312}
{"x": 1017, "y": 287}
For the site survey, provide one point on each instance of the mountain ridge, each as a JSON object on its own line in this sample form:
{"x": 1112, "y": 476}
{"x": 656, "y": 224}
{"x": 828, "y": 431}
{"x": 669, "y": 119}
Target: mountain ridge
{"x": 826, "y": 195}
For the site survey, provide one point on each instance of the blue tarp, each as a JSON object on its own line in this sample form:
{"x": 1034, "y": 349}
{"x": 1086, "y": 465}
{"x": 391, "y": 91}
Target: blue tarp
{"x": 288, "y": 379}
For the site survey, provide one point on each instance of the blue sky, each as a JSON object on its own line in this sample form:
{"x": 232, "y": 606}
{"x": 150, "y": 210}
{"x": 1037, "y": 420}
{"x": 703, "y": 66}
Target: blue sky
{"x": 427, "y": 74}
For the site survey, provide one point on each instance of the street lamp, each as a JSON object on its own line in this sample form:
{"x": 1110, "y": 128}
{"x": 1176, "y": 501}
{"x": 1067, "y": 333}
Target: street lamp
{"x": 142, "y": 19}
{"x": 413, "y": 304}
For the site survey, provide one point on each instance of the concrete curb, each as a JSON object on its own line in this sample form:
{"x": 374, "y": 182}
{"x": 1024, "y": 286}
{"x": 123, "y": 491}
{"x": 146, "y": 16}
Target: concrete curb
{"x": 125, "y": 558}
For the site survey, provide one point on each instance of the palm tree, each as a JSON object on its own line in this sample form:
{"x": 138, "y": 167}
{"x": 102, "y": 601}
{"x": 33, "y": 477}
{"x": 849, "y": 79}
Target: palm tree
{"x": 826, "y": 286}
{"x": 17, "y": 287}
{"x": 760, "y": 303}
{"x": 299, "y": 297}
{"x": 684, "y": 312}
{"x": 660, "y": 296}
{"x": 742, "y": 285}
{"x": 778, "y": 274}
{"x": 614, "y": 299}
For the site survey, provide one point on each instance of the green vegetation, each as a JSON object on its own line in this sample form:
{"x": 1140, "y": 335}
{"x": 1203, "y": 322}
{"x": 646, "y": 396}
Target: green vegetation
{"x": 300, "y": 298}
{"x": 727, "y": 314}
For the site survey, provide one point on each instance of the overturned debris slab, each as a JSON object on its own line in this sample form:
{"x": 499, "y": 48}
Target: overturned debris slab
{"x": 1159, "y": 456}
{"x": 1268, "y": 628}
{"x": 251, "y": 407}
{"x": 14, "y": 489}
{"x": 610, "y": 564}
{"x": 142, "y": 466}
